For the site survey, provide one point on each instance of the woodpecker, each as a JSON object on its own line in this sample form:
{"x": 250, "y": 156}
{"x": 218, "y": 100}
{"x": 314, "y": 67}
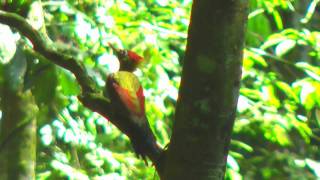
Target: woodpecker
{"x": 128, "y": 59}
{"x": 128, "y": 101}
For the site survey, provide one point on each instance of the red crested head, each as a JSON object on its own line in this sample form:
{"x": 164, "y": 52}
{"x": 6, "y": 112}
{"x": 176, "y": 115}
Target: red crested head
{"x": 129, "y": 60}
{"x": 134, "y": 57}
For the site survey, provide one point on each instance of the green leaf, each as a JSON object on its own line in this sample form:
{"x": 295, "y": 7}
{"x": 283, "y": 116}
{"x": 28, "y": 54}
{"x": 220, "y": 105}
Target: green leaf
{"x": 273, "y": 40}
{"x": 242, "y": 145}
{"x": 46, "y": 135}
{"x": 287, "y": 89}
{"x": 303, "y": 129}
{"x": 255, "y": 57}
{"x": 7, "y": 44}
{"x": 91, "y": 125}
{"x": 285, "y": 46}
{"x": 260, "y": 27}
{"x": 290, "y": 33}
{"x": 308, "y": 95}
{"x": 312, "y": 71}
{"x": 310, "y": 11}
{"x": 255, "y": 13}
{"x": 277, "y": 19}
{"x": 44, "y": 83}
{"x": 251, "y": 93}
{"x": 268, "y": 95}
{"x": 68, "y": 83}
{"x": 232, "y": 163}
{"x": 314, "y": 165}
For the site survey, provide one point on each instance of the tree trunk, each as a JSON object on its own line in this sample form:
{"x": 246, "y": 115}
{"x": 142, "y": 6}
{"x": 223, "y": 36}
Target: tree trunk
{"x": 209, "y": 91}
{"x": 18, "y": 123}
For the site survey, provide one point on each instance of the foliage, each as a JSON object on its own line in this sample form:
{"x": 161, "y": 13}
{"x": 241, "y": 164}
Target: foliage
{"x": 276, "y": 134}
{"x": 277, "y": 128}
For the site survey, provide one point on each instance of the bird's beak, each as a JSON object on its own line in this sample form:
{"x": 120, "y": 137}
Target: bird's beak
{"x": 113, "y": 48}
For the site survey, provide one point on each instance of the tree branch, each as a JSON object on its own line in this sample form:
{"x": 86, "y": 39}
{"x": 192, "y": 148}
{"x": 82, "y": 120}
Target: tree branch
{"x": 90, "y": 96}
{"x": 40, "y": 45}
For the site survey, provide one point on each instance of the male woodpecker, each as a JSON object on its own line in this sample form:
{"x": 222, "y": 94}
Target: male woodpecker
{"x": 127, "y": 99}
{"x": 129, "y": 60}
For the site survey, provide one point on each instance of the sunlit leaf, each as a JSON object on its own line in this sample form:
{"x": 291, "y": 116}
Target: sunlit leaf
{"x": 46, "y": 135}
{"x": 312, "y": 71}
{"x": 7, "y": 44}
{"x": 307, "y": 93}
{"x": 314, "y": 165}
{"x": 268, "y": 95}
{"x": 284, "y": 47}
{"x": 242, "y": 145}
{"x": 310, "y": 11}
{"x": 287, "y": 89}
{"x": 277, "y": 19}
{"x": 232, "y": 163}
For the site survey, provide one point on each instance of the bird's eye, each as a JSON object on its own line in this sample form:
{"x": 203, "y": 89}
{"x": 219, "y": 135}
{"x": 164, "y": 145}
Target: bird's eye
{"x": 122, "y": 54}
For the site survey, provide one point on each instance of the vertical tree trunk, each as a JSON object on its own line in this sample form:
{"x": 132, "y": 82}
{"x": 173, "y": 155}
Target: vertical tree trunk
{"x": 18, "y": 124}
{"x": 209, "y": 91}
{"x": 18, "y": 152}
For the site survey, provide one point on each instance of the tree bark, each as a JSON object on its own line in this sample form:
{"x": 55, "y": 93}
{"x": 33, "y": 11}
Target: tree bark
{"x": 18, "y": 123}
{"x": 208, "y": 92}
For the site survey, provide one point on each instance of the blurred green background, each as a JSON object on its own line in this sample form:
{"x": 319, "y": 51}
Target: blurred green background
{"x": 277, "y": 131}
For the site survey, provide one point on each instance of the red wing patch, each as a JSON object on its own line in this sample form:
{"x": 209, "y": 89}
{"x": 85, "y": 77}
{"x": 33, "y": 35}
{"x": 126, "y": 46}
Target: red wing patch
{"x": 131, "y": 100}
{"x": 140, "y": 96}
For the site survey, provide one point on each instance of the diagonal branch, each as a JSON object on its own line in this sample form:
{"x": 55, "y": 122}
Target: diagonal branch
{"x": 90, "y": 96}
{"x": 40, "y": 45}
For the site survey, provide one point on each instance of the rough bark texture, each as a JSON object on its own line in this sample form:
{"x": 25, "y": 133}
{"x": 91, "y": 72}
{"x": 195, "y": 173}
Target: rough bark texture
{"x": 18, "y": 124}
{"x": 209, "y": 91}
{"x": 18, "y": 154}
